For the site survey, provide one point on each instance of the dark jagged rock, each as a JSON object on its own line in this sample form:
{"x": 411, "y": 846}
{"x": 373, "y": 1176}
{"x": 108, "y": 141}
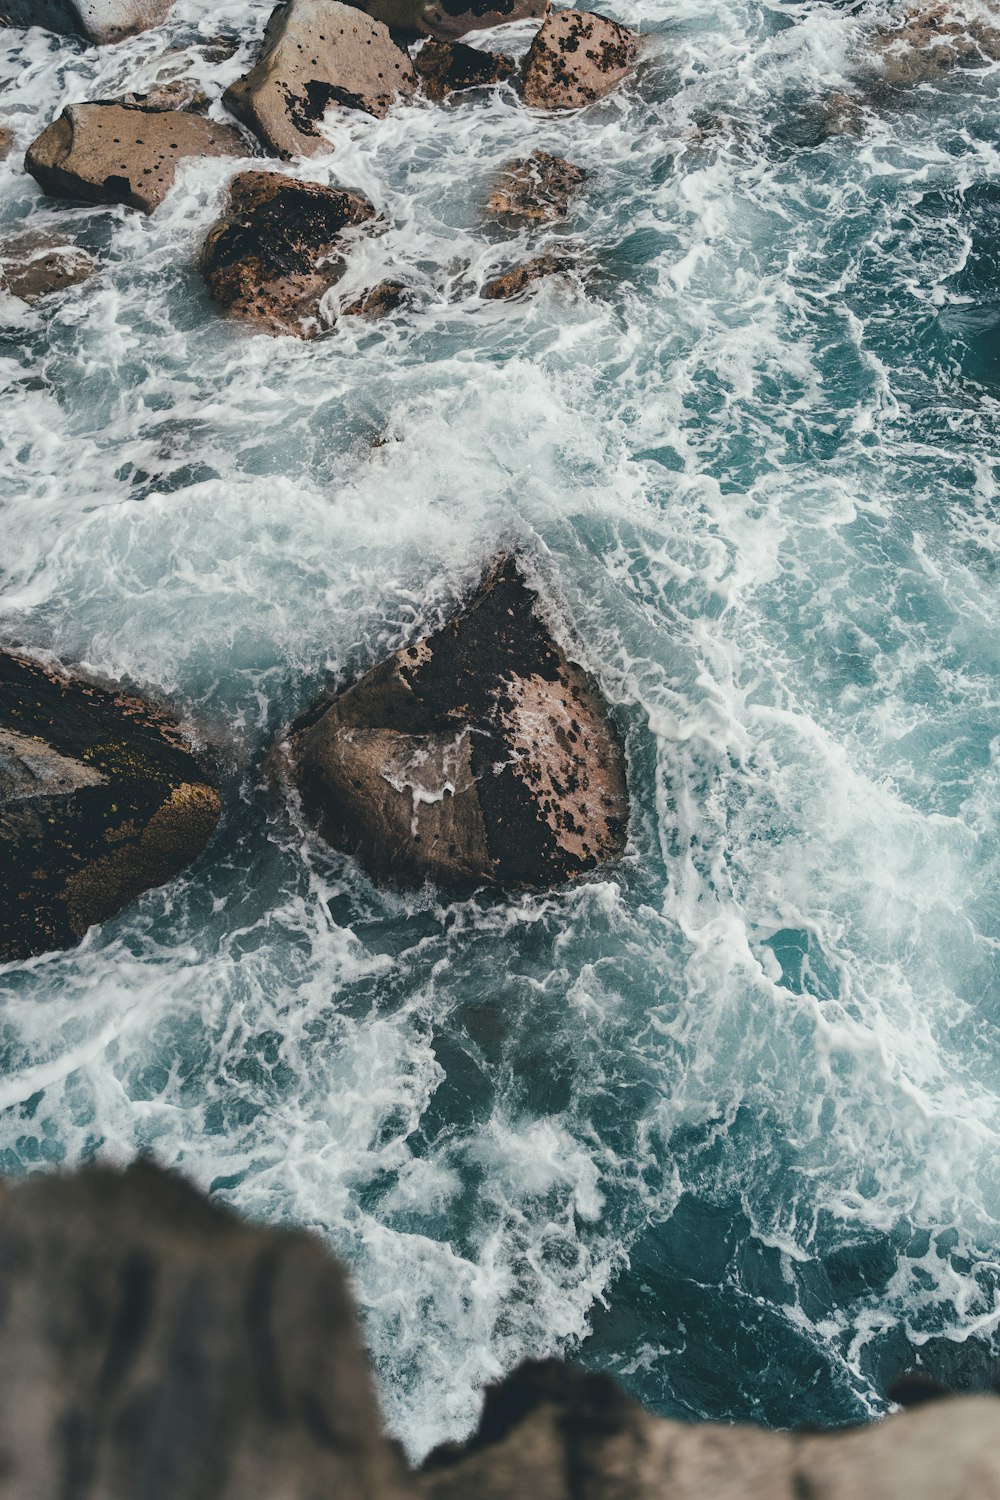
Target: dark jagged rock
{"x": 519, "y": 278}
{"x": 277, "y": 249}
{"x": 97, "y": 20}
{"x": 449, "y": 19}
{"x": 108, "y": 152}
{"x": 317, "y": 53}
{"x": 478, "y": 754}
{"x": 156, "y": 1348}
{"x": 450, "y": 67}
{"x": 100, "y": 800}
{"x": 36, "y": 264}
{"x": 538, "y": 187}
{"x": 388, "y": 297}
{"x": 575, "y": 58}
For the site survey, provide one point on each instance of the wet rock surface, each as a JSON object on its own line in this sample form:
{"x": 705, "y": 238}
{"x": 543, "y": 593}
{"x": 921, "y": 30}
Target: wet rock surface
{"x": 450, "y": 67}
{"x": 97, "y": 20}
{"x": 123, "y": 153}
{"x": 518, "y": 279}
{"x": 6, "y": 142}
{"x": 100, "y": 800}
{"x": 927, "y": 42}
{"x": 317, "y": 53}
{"x": 577, "y": 57}
{"x": 278, "y": 248}
{"x": 379, "y": 301}
{"x": 37, "y": 264}
{"x": 478, "y": 754}
{"x": 449, "y": 19}
{"x": 537, "y": 188}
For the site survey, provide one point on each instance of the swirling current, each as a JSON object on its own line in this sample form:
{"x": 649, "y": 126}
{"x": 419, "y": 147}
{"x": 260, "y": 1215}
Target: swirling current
{"x": 723, "y": 1121}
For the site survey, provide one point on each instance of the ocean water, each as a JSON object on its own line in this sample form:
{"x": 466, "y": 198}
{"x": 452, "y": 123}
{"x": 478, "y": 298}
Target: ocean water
{"x": 725, "y": 1120}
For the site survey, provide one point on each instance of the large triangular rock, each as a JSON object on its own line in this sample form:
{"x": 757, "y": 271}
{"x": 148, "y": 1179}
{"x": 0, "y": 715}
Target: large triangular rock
{"x": 449, "y": 19}
{"x": 100, "y": 800}
{"x": 480, "y": 754}
{"x": 97, "y": 20}
{"x": 317, "y": 53}
{"x": 106, "y": 152}
{"x": 575, "y": 58}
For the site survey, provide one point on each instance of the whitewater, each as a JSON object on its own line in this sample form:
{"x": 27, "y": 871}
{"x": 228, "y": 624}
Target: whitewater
{"x": 723, "y": 1121}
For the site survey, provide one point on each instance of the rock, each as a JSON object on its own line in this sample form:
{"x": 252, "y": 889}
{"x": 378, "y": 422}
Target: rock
{"x": 478, "y": 754}
{"x": 538, "y": 187}
{"x": 575, "y": 58}
{"x": 449, "y": 19}
{"x": 33, "y": 265}
{"x": 6, "y": 142}
{"x": 100, "y": 800}
{"x": 156, "y": 1348}
{"x": 123, "y": 153}
{"x": 317, "y": 53}
{"x": 513, "y": 282}
{"x": 277, "y": 249}
{"x": 560, "y": 1433}
{"x": 379, "y": 301}
{"x": 928, "y": 41}
{"x": 447, "y": 67}
{"x": 98, "y": 20}
{"x": 178, "y": 93}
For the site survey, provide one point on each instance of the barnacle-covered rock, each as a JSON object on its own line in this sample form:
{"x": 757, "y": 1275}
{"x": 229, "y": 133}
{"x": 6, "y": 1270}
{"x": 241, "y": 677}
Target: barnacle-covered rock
{"x": 575, "y": 58}
{"x": 451, "y": 67}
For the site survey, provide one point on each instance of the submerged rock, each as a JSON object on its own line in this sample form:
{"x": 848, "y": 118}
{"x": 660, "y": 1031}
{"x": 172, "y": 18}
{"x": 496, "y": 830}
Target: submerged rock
{"x": 517, "y": 280}
{"x": 34, "y": 265}
{"x": 123, "y": 153}
{"x": 929, "y": 41}
{"x": 478, "y": 754}
{"x": 100, "y": 800}
{"x": 277, "y": 249}
{"x": 539, "y": 188}
{"x": 317, "y": 53}
{"x": 97, "y": 20}
{"x": 449, "y": 67}
{"x": 449, "y": 19}
{"x": 379, "y": 301}
{"x": 575, "y": 58}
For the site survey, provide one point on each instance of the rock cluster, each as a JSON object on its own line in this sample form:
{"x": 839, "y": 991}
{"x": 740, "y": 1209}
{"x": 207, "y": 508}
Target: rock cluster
{"x": 928, "y": 41}
{"x": 479, "y": 754}
{"x": 100, "y": 800}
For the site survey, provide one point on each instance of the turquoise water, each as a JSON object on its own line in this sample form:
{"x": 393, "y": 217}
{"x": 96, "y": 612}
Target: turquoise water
{"x": 724, "y": 1121}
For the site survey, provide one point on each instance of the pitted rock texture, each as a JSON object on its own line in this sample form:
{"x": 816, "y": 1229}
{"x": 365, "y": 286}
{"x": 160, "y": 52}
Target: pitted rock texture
{"x": 36, "y": 264}
{"x": 97, "y": 20}
{"x": 278, "y": 248}
{"x": 108, "y": 152}
{"x": 450, "y": 19}
{"x": 450, "y": 67}
{"x": 538, "y": 187}
{"x": 518, "y": 279}
{"x": 156, "y": 1348}
{"x": 929, "y": 41}
{"x": 317, "y": 53}
{"x": 575, "y": 58}
{"x": 480, "y": 754}
{"x": 100, "y": 800}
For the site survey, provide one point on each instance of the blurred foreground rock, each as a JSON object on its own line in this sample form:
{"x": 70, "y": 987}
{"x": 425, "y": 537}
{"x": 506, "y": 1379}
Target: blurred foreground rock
{"x": 97, "y": 20}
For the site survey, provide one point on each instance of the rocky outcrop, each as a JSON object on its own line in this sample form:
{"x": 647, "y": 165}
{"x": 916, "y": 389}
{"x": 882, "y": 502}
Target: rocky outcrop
{"x": 928, "y": 41}
{"x": 478, "y": 754}
{"x": 278, "y": 248}
{"x": 97, "y": 20}
{"x": 519, "y": 278}
{"x": 317, "y": 53}
{"x": 36, "y": 264}
{"x": 100, "y": 800}
{"x": 123, "y": 153}
{"x": 575, "y": 58}
{"x": 155, "y": 1348}
{"x": 449, "y": 19}
{"x": 451, "y": 67}
{"x": 538, "y": 187}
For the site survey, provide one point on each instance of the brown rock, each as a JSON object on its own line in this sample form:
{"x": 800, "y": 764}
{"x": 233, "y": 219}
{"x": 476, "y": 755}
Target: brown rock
{"x": 178, "y": 93}
{"x": 449, "y": 19}
{"x": 277, "y": 249}
{"x": 33, "y": 265}
{"x": 479, "y": 754}
{"x": 379, "y": 301}
{"x": 6, "y": 141}
{"x": 448, "y": 67}
{"x": 517, "y": 280}
{"x": 929, "y": 41}
{"x": 317, "y": 53}
{"x": 97, "y": 20}
{"x": 577, "y": 57}
{"x": 100, "y": 800}
{"x": 538, "y": 187}
{"x": 123, "y": 153}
